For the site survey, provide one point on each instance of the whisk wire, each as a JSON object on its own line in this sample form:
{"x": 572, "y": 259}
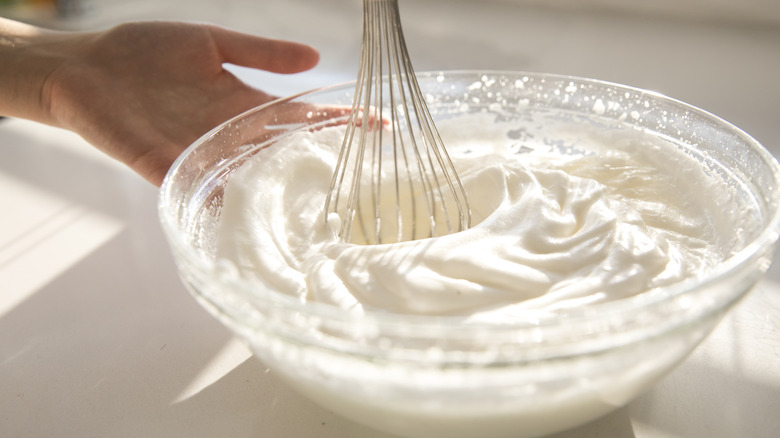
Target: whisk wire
{"x": 392, "y": 53}
{"x": 418, "y": 153}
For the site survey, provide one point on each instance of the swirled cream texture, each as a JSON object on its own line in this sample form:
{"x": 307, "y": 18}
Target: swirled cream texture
{"x": 553, "y": 227}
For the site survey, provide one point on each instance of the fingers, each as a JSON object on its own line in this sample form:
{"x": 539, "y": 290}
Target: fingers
{"x": 275, "y": 56}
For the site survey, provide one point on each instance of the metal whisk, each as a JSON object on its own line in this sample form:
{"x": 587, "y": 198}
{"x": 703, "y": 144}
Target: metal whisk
{"x": 393, "y": 176}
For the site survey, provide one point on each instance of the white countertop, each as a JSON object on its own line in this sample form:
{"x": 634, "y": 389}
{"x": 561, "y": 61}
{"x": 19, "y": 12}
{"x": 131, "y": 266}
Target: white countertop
{"x": 99, "y": 338}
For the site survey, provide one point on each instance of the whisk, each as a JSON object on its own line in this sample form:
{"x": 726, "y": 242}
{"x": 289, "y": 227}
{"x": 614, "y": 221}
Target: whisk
{"x": 393, "y": 176}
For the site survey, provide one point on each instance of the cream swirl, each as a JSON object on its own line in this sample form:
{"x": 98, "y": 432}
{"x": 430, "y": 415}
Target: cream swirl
{"x": 552, "y": 230}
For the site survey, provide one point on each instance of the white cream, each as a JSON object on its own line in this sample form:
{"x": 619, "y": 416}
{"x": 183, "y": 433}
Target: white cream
{"x": 553, "y": 227}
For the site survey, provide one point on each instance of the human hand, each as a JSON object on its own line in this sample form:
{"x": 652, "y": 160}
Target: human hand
{"x": 142, "y": 92}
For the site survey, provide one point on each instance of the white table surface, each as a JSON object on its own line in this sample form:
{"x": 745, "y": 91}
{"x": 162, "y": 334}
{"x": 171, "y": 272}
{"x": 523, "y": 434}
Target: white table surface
{"x": 98, "y": 338}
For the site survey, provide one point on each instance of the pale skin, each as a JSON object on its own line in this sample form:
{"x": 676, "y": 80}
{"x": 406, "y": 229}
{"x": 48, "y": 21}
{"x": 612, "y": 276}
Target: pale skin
{"x": 140, "y": 92}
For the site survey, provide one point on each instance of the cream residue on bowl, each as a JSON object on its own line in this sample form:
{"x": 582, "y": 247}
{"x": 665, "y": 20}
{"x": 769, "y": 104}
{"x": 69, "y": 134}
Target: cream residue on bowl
{"x": 614, "y": 214}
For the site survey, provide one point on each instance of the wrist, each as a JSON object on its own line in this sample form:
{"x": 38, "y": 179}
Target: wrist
{"x": 29, "y": 56}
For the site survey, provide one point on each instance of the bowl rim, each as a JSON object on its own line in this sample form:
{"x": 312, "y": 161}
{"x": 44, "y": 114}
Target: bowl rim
{"x": 764, "y": 241}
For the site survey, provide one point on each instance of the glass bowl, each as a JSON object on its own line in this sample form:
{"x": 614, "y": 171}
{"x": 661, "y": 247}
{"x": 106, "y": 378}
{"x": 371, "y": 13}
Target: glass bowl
{"x": 436, "y": 376}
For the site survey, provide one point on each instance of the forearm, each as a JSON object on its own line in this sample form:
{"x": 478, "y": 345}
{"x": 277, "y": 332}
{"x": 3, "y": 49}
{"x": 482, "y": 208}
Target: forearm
{"x": 28, "y": 57}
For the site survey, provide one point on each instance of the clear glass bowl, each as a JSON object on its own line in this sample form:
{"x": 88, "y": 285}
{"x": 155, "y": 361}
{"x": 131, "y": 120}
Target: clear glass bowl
{"x": 424, "y": 376}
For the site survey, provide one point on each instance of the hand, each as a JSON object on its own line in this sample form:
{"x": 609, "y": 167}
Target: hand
{"x": 142, "y": 92}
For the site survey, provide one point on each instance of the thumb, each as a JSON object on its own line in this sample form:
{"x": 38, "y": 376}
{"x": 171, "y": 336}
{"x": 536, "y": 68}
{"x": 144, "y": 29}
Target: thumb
{"x": 276, "y": 56}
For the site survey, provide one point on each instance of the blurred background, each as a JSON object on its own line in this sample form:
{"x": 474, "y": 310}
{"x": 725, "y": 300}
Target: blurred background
{"x": 99, "y": 338}
{"x": 720, "y": 55}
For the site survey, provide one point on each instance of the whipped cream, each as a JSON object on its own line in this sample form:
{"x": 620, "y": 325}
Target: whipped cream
{"x": 554, "y": 225}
